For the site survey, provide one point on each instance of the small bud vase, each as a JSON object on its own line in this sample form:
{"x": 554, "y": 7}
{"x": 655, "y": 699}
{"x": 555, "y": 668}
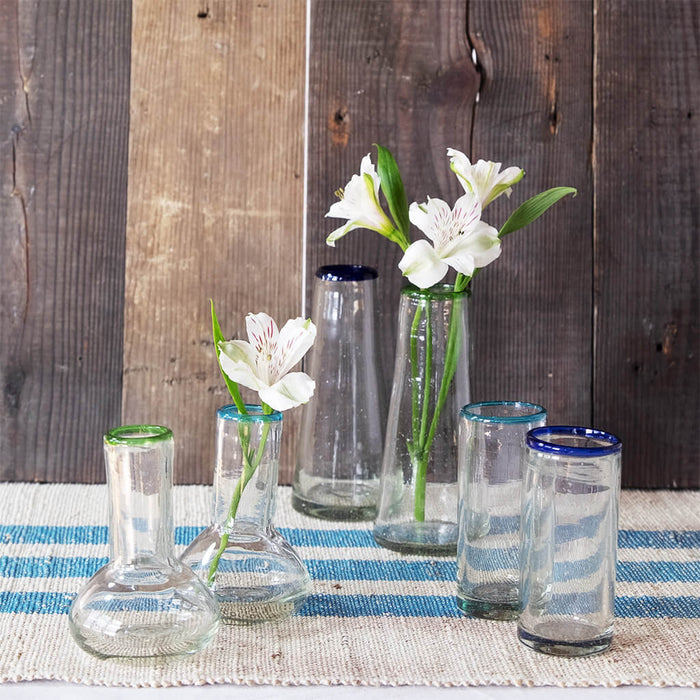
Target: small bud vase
{"x": 418, "y": 501}
{"x": 253, "y": 571}
{"x": 341, "y": 436}
{"x": 143, "y": 602}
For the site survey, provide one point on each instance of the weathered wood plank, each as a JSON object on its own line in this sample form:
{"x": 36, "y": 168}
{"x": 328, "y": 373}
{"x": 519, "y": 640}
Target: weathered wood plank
{"x": 64, "y": 74}
{"x": 214, "y": 204}
{"x": 532, "y": 309}
{"x": 398, "y": 73}
{"x": 646, "y": 152}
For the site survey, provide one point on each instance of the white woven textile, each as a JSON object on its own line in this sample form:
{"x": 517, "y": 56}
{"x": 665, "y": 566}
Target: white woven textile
{"x": 375, "y": 618}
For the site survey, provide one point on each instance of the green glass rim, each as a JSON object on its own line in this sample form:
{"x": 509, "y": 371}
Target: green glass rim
{"x": 142, "y": 434}
{"x": 520, "y": 412}
{"x": 436, "y": 292}
{"x": 254, "y": 415}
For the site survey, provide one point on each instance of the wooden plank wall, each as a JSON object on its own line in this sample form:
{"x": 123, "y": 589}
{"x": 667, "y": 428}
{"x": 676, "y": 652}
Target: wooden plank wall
{"x": 64, "y": 110}
{"x": 593, "y": 311}
{"x": 215, "y": 186}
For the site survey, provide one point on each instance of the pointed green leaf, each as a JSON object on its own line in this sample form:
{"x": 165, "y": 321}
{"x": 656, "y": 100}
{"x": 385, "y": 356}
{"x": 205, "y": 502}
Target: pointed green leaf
{"x": 533, "y": 208}
{"x": 392, "y": 186}
{"x": 218, "y": 337}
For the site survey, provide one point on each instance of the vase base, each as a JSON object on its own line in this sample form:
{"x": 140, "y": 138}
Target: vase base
{"x": 494, "y": 601}
{"x": 241, "y": 611}
{"x": 334, "y": 510}
{"x": 432, "y": 538}
{"x": 548, "y": 639}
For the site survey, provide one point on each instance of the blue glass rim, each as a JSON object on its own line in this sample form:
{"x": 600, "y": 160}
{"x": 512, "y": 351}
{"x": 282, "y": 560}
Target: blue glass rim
{"x": 255, "y": 415}
{"x": 346, "y": 273}
{"x": 540, "y": 439}
{"x": 537, "y": 412}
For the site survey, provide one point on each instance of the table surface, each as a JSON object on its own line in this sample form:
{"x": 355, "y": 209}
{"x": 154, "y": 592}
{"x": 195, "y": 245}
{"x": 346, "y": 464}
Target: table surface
{"x": 375, "y": 618}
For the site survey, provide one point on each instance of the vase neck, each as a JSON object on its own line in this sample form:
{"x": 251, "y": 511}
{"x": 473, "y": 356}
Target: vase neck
{"x": 246, "y": 468}
{"x": 138, "y": 461}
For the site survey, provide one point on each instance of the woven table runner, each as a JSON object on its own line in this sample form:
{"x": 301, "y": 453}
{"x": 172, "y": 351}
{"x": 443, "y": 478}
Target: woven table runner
{"x": 375, "y": 617}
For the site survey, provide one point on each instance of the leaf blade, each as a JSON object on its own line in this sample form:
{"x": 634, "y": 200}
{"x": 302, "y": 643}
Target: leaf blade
{"x": 533, "y": 208}
{"x": 394, "y": 192}
{"x": 230, "y": 385}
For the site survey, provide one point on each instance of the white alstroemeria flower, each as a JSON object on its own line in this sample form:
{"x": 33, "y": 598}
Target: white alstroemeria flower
{"x": 484, "y": 178}
{"x": 359, "y": 204}
{"x": 460, "y": 240}
{"x": 263, "y": 364}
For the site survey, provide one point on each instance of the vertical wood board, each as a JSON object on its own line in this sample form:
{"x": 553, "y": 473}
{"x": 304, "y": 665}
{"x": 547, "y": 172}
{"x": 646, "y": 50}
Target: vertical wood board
{"x": 647, "y": 227}
{"x": 214, "y": 203}
{"x": 532, "y": 308}
{"x": 64, "y": 113}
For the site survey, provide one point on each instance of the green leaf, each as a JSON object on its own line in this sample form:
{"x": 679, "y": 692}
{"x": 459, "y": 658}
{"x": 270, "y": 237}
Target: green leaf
{"x": 533, "y": 208}
{"x": 392, "y": 186}
{"x": 219, "y": 337}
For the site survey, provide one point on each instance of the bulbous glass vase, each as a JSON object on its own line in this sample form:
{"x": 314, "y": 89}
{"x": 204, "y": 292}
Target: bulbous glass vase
{"x": 253, "y": 571}
{"x": 143, "y": 602}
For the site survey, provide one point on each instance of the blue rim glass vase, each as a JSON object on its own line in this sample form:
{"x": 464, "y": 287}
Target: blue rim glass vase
{"x": 253, "y": 571}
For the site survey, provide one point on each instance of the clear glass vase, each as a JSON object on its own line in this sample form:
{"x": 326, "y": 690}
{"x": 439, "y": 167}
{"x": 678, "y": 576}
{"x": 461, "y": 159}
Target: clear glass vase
{"x": 341, "y": 437}
{"x": 143, "y": 602}
{"x": 418, "y": 501}
{"x": 253, "y": 571}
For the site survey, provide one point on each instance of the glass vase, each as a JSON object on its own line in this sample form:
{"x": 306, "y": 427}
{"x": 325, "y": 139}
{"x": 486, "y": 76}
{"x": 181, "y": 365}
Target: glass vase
{"x": 341, "y": 437}
{"x": 418, "y": 501}
{"x": 253, "y": 571}
{"x": 143, "y": 602}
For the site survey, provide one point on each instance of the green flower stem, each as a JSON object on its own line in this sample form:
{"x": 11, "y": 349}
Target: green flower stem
{"x": 415, "y": 378}
{"x": 250, "y": 464}
{"x": 420, "y": 453}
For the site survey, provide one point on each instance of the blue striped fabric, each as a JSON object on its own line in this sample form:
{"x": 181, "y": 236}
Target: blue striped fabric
{"x": 351, "y": 569}
{"x": 684, "y": 607}
{"x": 98, "y": 534}
{"x": 356, "y": 568}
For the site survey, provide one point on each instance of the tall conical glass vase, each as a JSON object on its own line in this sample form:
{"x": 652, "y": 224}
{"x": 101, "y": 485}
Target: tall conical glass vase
{"x": 143, "y": 602}
{"x": 253, "y": 571}
{"x": 418, "y": 502}
{"x": 341, "y": 436}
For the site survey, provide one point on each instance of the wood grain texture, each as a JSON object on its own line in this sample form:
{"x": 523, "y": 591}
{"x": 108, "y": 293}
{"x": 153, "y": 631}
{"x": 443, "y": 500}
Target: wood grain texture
{"x": 214, "y": 204}
{"x": 399, "y": 74}
{"x": 532, "y": 308}
{"x": 647, "y": 224}
{"x": 64, "y": 72}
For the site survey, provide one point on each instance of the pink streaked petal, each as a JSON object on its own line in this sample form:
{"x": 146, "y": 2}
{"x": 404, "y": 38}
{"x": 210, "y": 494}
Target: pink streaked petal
{"x": 295, "y": 339}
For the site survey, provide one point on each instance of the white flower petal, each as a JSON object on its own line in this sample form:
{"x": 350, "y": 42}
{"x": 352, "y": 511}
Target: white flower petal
{"x": 237, "y": 360}
{"x": 295, "y": 338}
{"x": 421, "y": 265}
{"x": 292, "y": 390}
{"x": 483, "y": 177}
{"x": 484, "y": 244}
{"x": 419, "y": 217}
{"x": 339, "y": 233}
{"x": 360, "y": 205}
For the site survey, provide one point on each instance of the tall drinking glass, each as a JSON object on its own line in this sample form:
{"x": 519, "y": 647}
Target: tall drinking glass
{"x": 491, "y": 436}
{"x": 571, "y": 491}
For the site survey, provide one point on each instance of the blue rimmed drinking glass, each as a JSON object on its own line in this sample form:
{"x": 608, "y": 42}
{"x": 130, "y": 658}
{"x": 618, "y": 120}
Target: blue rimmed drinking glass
{"x": 492, "y": 435}
{"x": 571, "y": 491}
